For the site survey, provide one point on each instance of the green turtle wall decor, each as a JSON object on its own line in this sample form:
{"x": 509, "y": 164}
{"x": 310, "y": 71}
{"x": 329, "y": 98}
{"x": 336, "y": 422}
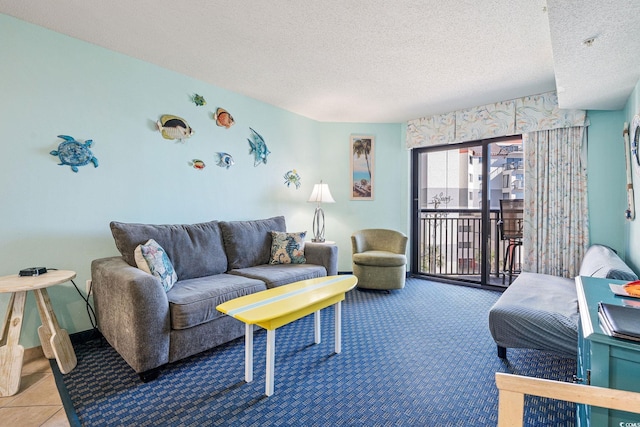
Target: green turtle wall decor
{"x": 74, "y": 153}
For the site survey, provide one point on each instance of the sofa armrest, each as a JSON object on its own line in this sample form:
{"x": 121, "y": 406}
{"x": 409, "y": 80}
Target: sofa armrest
{"x": 322, "y": 254}
{"x": 132, "y": 312}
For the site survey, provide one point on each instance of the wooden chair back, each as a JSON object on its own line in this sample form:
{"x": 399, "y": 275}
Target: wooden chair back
{"x": 512, "y": 389}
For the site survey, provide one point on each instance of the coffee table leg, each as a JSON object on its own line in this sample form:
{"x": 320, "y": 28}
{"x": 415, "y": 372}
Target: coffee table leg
{"x": 317, "y": 330}
{"x": 12, "y": 353}
{"x": 271, "y": 353}
{"x": 248, "y": 353}
{"x": 337, "y": 312}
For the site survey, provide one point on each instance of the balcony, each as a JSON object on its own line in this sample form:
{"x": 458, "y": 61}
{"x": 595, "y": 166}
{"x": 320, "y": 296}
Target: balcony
{"x": 450, "y": 245}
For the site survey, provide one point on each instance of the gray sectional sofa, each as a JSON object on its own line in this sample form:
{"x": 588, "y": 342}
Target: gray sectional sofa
{"x": 215, "y": 261}
{"x": 540, "y": 311}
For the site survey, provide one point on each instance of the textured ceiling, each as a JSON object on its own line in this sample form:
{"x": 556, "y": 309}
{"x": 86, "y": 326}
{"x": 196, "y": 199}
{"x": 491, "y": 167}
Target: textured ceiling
{"x": 370, "y": 60}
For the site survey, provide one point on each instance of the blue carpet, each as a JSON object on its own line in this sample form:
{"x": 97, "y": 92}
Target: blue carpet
{"x": 420, "y": 356}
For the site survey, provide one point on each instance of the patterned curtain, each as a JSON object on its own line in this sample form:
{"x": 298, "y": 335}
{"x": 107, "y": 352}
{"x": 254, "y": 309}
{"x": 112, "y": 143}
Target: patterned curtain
{"x": 556, "y": 229}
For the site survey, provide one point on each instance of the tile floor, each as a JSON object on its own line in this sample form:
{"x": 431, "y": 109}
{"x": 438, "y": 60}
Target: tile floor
{"x": 38, "y": 402}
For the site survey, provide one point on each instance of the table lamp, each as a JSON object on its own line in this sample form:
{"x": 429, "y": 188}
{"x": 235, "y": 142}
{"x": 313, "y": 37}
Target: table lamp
{"x": 320, "y": 194}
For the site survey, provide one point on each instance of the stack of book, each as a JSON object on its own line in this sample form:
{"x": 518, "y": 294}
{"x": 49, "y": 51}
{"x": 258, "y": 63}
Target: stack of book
{"x": 620, "y": 321}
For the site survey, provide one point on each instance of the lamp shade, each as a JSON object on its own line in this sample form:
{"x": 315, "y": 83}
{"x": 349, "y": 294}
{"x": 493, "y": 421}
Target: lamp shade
{"x": 321, "y": 194}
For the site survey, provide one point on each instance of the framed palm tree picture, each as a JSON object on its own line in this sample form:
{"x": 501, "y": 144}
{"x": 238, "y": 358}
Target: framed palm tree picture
{"x": 362, "y": 160}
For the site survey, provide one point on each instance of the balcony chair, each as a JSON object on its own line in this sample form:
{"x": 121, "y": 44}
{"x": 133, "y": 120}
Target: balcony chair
{"x": 512, "y": 389}
{"x": 510, "y": 226}
{"x": 379, "y": 258}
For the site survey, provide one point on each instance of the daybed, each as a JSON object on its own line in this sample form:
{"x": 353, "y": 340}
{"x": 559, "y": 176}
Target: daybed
{"x": 214, "y": 262}
{"x": 540, "y": 311}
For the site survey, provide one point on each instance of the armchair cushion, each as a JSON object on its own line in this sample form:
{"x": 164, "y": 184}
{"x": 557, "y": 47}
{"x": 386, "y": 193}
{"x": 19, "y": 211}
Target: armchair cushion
{"x": 380, "y": 259}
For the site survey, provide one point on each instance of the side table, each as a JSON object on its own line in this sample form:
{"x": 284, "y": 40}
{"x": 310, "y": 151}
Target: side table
{"x": 55, "y": 341}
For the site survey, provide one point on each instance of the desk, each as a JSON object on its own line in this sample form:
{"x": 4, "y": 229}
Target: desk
{"x": 279, "y": 306}
{"x": 604, "y": 361}
{"x": 55, "y": 341}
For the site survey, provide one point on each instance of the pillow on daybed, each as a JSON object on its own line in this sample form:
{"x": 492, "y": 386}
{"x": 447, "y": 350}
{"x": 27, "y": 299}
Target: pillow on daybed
{"x": 287, "y": 248}
{"x": 602, "y": 261}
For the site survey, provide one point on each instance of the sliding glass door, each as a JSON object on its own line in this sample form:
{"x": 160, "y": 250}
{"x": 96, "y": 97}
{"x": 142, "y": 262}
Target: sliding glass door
{"x": 456, "y": 207}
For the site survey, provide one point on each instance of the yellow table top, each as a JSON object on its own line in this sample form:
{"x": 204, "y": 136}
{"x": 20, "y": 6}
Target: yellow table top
{"x": 16, "y": 283}
{"x": 278, "y": 302}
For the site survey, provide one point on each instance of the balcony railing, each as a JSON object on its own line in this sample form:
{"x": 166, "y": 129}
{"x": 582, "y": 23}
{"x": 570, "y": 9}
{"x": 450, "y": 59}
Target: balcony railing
{"x": 450, "y": 243}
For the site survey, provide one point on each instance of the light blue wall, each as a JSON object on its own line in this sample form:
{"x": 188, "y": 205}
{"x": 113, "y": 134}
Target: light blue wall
{"x": 632, "y": 231}
{"x": 52, "y": 84}
{"x": 606, "y": 179}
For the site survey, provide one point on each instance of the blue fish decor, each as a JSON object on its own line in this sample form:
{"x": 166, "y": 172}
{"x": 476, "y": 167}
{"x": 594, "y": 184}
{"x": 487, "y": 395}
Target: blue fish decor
{"x": 74, "y": 153}
{"x": 174, "y": 127}
{"x": 225, "y": 160}
{"x": 292, "y": 177}
{"x": 258, "y": 148}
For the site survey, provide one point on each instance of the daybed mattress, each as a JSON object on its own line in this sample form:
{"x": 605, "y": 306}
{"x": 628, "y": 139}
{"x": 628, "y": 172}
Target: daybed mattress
{"x": 537, "y": 311}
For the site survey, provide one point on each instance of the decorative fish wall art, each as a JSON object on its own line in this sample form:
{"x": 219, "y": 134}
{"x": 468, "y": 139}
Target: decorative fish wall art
{"x": 225, "y": 160}
{"x": 174, "y": 127}
{"x": 197, "y": 164}
{"x": 292, "y": 177}
{"x": 258, "y": 148}
{"x": 198, "y": 100}
{"x": 223, "y": 118}
{"x": 74, "y": 153}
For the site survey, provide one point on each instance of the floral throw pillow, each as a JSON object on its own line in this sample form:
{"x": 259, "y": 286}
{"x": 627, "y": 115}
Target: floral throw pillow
{"x": 151, "y": 258}
{"x": 287, "y": 248}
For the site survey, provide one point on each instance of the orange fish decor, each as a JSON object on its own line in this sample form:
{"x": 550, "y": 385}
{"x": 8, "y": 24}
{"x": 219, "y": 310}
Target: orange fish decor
{"x": 197, "y": 164}
{"x": 174, "y": 127}
{"x": 223, "y": 118}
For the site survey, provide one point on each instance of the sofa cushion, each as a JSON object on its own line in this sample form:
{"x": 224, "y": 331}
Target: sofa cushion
{"x": 194, "y": 301}
{"x": 287, "y": 248}
{"x": 248, "y": 243}
{"x": 152, "y": 259}
{"x": 281, "y": 274}
{"x": 196, "y": 250}
{"x": 602, "y": 261}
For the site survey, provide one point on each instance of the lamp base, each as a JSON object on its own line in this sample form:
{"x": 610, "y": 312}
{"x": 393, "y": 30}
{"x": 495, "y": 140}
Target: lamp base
{"x": 318, "y": 225}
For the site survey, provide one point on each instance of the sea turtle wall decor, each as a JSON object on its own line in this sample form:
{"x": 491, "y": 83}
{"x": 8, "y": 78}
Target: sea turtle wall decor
{"x": 74, "y": 153}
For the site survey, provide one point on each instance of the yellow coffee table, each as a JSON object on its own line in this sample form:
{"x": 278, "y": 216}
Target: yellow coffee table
{"x": 55, "y": 341}
{"x": 279, "y": 306}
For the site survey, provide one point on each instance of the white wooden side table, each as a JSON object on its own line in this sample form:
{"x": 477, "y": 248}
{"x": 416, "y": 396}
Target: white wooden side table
{"x": 55, "y": 341}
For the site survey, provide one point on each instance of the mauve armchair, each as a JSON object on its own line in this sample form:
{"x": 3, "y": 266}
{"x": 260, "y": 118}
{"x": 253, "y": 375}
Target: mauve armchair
{"x": 379, "y": 258}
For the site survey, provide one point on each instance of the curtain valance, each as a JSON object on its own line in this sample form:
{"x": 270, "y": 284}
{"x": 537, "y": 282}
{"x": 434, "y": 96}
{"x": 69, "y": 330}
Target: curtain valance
{"x": 517, "y": 116}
